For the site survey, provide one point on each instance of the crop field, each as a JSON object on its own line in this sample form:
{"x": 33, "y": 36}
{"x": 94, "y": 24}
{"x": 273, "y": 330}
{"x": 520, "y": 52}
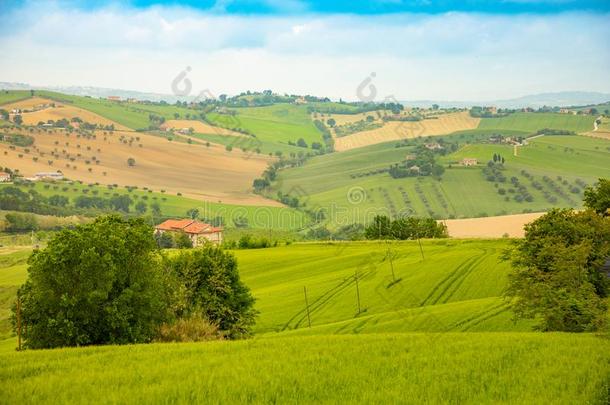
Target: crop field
{"x": 59, "y": 111}
{"x": 130, "y": 115}
{"x": 533, "y": 122}
{"x": 507, "y": 368}
{"x": 455, "y": 288}
{"x": 396, "y": 130}
{"x": 353, "y": 186}
{"x": 200, "y": 172}
{"x": 275, "y": 125}
{"x": 10, "y": 96}
{"x": 198, "y": 126}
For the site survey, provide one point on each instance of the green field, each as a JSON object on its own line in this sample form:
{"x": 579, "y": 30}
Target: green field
{"x": 533, "y": 122}
{"x": 274, "y": 218}
{"x": 407, "y": 368}
{"x": 10, "y": 96}
{"x": 326, "y": 181}
{"x": 134, "y": 116}
{"x": 378, "y": 356}
{"x": 274, "y": 126}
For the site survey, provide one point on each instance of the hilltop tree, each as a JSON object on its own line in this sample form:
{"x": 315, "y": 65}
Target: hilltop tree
{"x": 100, "y": 283}
{"x": 131, "y": 162}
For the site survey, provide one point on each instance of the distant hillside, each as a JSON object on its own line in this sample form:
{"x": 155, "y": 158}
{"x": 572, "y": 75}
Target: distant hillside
{"x": 559, "y": 99}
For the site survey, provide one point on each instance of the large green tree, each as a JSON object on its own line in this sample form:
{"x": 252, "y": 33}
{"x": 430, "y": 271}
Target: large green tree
{"x": 99, "y": 283}
{"x": 558, "y": 277}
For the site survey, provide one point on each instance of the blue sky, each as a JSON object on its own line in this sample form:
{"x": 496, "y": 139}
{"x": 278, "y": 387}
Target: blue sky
{"x": 418, "y": 49}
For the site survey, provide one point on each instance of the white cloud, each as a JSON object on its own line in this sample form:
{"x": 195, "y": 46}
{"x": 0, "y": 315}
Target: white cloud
{"x": 448, "y": 56}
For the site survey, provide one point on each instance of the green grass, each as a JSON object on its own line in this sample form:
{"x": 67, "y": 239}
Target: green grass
{"x": 418, "y": 368}
{"x": 134, "y": 116}
{"x": 325, "y": 181}
{"x": 371, "y": 357}
{"x": 458, "y": 287}
{"x": 275, "y": 218}
{"x": 533, "y": 122}
{"x": 10, "y": 96}
{"x": 274, "y": 126}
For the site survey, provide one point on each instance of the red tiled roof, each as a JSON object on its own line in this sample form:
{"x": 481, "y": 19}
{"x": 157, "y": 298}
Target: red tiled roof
{"x": 188, "y": 226}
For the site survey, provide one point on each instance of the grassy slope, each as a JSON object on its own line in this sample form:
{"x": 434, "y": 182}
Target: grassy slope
{"x": 452, "y": 368}
{"x": 277, "y": 218}
{"x": 532, "y": 122}
{"x": 134, "y": 116}
{"x": 325, "y": 181}
{"x": 10, "y": 96}
{"x": 437, "y": 366}
{"x": 273, "y": 125}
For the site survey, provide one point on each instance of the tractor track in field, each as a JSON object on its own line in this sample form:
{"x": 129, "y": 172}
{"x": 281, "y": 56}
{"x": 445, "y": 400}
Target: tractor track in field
{"x": 476, "y": 319}
{"x": 319, "y": 302}
{"x": 452, "y": 282}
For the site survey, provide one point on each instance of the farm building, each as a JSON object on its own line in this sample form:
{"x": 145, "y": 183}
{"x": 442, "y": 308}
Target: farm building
{"x": 114, "y": 98}
{"x": 433, "y": 146}
{"x": 469, "y": 162}
{"x": 4, "y": 177}
{"x": 198, "y": 232}
{"x": 49, "y": 176}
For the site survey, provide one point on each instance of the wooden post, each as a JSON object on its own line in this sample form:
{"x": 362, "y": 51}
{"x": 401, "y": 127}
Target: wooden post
{"x": 307, "y": 306}
{"x": 390, "y": 254}
{"x": 18, "y": 323}
{"x": 357, "y": 290}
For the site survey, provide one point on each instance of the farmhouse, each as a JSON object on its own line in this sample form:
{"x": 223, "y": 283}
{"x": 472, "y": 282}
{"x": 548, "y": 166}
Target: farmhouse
{"x": 433, "y": 146}
{"x": 197, "y": 231}
{"x": 4, "y": 177}
{"x": 114, "y": 98}
{"x": 469, "y": 162}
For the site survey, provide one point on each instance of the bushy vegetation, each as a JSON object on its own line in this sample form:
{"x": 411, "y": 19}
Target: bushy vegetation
{"x": 104, "y": 283}
{"x": 383, "y": 227}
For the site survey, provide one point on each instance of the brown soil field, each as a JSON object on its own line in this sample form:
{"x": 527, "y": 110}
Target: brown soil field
{"x": 58, "y": 112}
{"x": 205, "y": 173}
{"x": 395, "y": 130}
{"x": 199, "y": 127}
{"x": 490, "y": 227}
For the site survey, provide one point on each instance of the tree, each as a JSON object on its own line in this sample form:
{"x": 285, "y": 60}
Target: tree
{"x": 4, "y": 114}
{"x": 164, "y": 240}
{"x": 17, "y": 119}
{"x": 597, "y": 197}
{"x": 380, "y": 228}
{"x": 212, "y": 286}
{"x": 331, "y": 122}
{"x": 182, "y": 241}
{"x": 100, "y": 283}
{"x": 193, "y": 213}
{"x": 557, "y": 271}
{"x": 58, "y": 200}
{"x": 131, "y": 162}
{"x": 155, "y": 209}
{"x": 18, "y": 222}
{"x": 141, "y": 207}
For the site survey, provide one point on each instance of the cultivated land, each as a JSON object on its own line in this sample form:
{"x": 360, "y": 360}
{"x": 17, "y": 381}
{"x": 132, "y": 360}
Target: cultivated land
{"x": 533, "y": 122}
{"x": 350, "y": 187}
{"x": 57, "y": 112}
{"x": 491, "y": 227}
{"x": 199, "y": 127}
{"x": 396, "y": 130}
{"x": 274, "y": 126}
{"x": 456, "y": 288}
{"x": 205, "y": 173}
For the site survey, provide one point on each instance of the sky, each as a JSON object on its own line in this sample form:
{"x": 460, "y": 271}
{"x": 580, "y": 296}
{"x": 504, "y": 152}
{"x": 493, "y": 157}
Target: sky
{"x": 354, "y": 50}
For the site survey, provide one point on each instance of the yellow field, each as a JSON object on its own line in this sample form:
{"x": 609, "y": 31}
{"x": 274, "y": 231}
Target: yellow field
{"x": 490, "y": 227}
{"x": 56, "y": 113}
{"x": 394, "y": 130}
{"x": 206, "y": 173}
{"x": 199, "y": 127}
{"x": 28, "y": 104}
{"x": 342, "y": 119}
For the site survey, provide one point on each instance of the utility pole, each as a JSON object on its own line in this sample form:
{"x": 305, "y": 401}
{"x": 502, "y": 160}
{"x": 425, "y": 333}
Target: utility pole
{"x": 357, "y": 290}
{"x": 307, "y": 306}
